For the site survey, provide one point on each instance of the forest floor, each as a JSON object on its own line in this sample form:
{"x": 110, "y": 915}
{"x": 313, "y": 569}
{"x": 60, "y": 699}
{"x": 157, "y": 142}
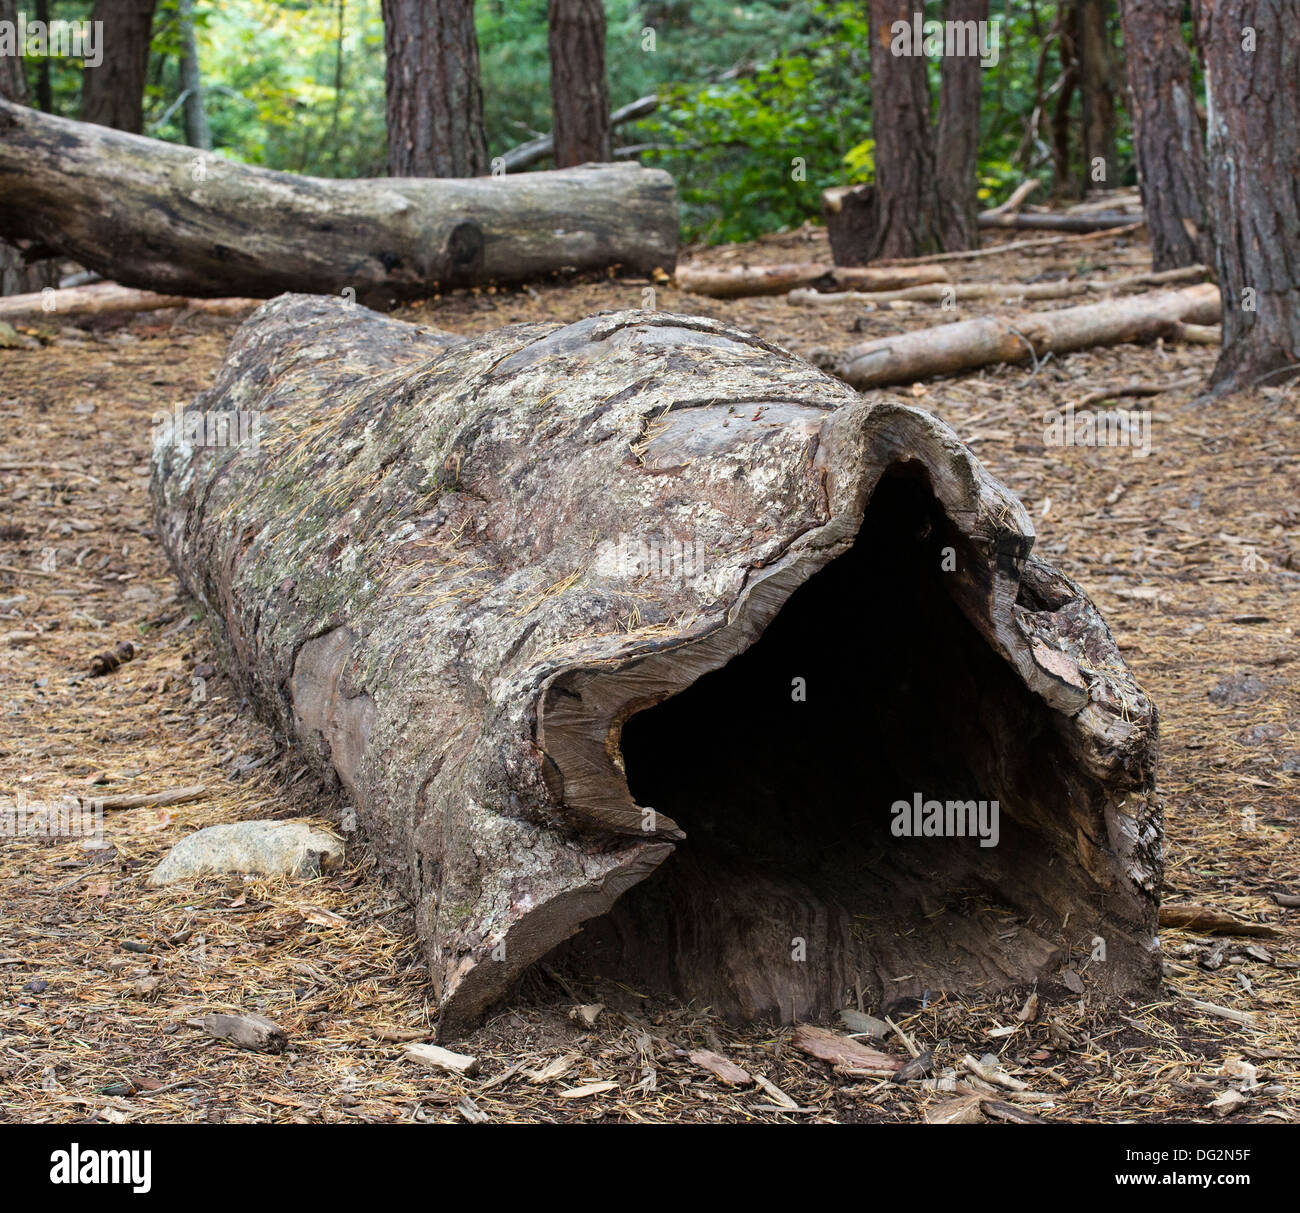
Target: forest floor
{"x": 1192, "y": 554}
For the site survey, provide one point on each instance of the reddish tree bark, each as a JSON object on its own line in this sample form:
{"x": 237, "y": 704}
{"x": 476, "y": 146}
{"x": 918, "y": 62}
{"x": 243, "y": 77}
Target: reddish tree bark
{"x": 112, "y": 94}
{"x": 435, "y": 98}
{"x": 17, "y": 276}
{"x": 1251, "y": 50}
{"x": 907, "y": 198}
{"x": 1166, "y": 132}
{"x": 1097, "y": 93}
{"x": 579, "y": 86}
{"x": 957, "y": 142}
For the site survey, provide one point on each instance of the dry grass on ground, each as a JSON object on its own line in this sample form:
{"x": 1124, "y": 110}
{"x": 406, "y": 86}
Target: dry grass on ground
{"x": 1193, "y": 554}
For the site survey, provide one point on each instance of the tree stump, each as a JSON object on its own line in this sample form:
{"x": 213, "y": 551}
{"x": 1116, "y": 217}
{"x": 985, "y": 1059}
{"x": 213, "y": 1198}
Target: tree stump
{"x": 642, "y": 628}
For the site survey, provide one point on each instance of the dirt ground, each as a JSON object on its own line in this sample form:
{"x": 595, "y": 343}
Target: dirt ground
{"x": 1192, "y": 554}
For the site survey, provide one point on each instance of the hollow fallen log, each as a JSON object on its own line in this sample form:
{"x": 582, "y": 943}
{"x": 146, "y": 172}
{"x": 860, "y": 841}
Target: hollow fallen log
{"x": 969, "y": 344}
{"x": 103, "y": 298}
{"x": 735, "y": 282}
{"x": 641, "y": 628}
{"x": 166, "y": 218}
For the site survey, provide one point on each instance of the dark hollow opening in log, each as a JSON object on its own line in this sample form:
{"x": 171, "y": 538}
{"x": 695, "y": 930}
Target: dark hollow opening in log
{"x": 792, "y": 888}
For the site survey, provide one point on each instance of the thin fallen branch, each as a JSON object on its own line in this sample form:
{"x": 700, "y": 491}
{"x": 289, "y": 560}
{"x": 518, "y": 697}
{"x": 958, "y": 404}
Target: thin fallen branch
{"x": 1208, "y": 921}
{"x": 100, "y": 298}
{"x": 970, "y": 344}
{"x": 1013, "y": 246}
{"x": 534, "y": 150}
{"x": 735, "y": 282}
{"x": 149, "y": 799}
{"x": 938, "y": 293}
{"x": 1018, "y": 196}
{"x": 1055, "y": 222}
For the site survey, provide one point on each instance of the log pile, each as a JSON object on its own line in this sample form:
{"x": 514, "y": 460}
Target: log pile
{"x": 166, "y": 218}
{"x": 628, "y": 638}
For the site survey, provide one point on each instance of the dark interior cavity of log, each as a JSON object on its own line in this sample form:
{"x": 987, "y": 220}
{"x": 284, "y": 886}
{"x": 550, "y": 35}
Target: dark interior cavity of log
{"x": 791, "y": 890}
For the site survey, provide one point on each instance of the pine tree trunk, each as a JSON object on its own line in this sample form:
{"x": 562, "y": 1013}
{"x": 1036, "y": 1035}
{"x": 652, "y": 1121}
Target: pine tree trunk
{"x": 1097, "y": 90}
{"x": 906, "y": 197}
{"x": 435, "y": 98}
{"x": 1252, "y": 61}
{"x": 112, "y": 94}
{"x": 642, "y": 627}
{"x": 197, "y": 132}
{"x": 17, "y": 276}
{"x": 579, "y": 88}
{"x": 957, "y": 142}
{"x": 1166, "y": 133}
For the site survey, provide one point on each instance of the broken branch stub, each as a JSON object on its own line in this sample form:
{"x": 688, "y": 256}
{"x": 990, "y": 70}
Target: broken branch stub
{"x": 643, "y": 629}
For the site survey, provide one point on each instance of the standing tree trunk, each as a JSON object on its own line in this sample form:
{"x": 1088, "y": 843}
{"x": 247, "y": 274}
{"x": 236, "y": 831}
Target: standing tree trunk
{"x": 1097, "y": 89}
{"x": 1166, "y": 133}
{"x": 112, "y": 94}
{"x": 957, "y": 144}
{"x": 435, "y": 98}
{"x": 1251, "y": 49}
{"x": 1067, "y": 50}
{"x": 579, "y": 88}
{"x": 197, "y": 132}
{"x": 17, "y": 276}
{"x": 907, "y": 199}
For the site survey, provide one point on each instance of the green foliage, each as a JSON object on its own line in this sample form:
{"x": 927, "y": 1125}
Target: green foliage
{"x": 764, "y": 102}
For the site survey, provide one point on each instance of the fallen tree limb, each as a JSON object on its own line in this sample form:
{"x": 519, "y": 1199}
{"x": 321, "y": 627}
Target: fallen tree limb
{"x": 526, "y": 154}
{"x": 1012, "y": 246}
{"x": 489, "y": 584}
{"x": 1055, "y": 222}
{"x": 969, "y": 344}
{"x": 734, "y": 282}
{"x": 100, "y": 298}
{"x": 935, "y": 293}
{"x": 1017, "y": 198}
{"x": 164, "y": 217}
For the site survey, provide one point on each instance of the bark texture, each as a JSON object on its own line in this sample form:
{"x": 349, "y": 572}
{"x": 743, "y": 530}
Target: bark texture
{"x": 159, "y": 216}
{"x": 906, "y": 195}
{"x": 18, "y": 276}
{"x": 1097, "y": 92}
{"x": 961, "y": 80}
{"x": 420, "y": 573}
{"x": 435, "y": 96}
{"x": 1166, "y": 133}
{"x": 197, "y": 131}
{"x": 579, "y": 87}
{"x": 1252, "y": 62}
{"x": 112, "y": 94}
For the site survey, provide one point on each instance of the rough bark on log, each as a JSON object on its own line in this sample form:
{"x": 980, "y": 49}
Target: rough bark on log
{"x": 538, "y": 600}
{"x": 167, "y": 218}
{"x": 969, "y": 344}
{"x": 735, "y": 282}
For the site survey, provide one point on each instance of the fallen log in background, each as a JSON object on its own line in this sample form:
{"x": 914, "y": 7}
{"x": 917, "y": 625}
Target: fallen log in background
{"x": 101, "y": 298}
{"x": 167, "y": 218}
{"x": 969, "y": 344}
{"x": 735, "y": 282}
{"x": 938, "y": 292}
{"x": 643, "y": 628}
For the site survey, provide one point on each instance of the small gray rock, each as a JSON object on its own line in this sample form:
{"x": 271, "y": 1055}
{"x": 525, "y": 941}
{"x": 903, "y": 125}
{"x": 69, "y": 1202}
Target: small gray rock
{"x": 260, "y": 848}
